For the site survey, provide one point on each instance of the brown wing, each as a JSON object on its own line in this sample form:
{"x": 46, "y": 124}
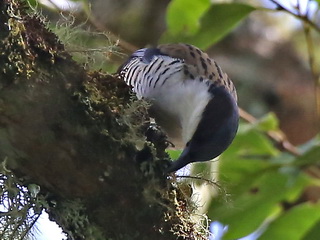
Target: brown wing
{"x": 199, "y": 63}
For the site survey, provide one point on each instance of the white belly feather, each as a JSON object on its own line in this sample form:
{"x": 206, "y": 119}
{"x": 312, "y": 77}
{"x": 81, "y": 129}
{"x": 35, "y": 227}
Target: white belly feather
{"x": 184, "y": 99}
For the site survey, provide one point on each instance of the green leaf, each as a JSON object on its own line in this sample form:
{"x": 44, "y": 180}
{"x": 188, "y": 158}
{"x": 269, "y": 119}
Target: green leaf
{"x": 268, "y": 122}
{"x": 311, "y": 143}
{"x": 253, "y": 142}
{"x": 216, "y": 22}
{"x": 310, "y": 157}
{"x": 265, "y": 193}
{"x": 238, "y": 173}
{"x": 184, "y": 15}
{"x": 219, "y": 21}
{"x": 294, "y": 224}
{"x": 174, "y": 154}
{"x": 314, "y": 232}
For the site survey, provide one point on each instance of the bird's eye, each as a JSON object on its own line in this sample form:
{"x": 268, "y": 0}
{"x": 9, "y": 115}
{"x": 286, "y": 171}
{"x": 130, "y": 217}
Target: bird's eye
{"x": 188, "y": 143}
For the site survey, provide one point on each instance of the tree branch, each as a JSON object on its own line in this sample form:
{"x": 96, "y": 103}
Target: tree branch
{"x": 77, "y": 135}
{"x": 279, "y": 137}
{"x": 303, "y": 18}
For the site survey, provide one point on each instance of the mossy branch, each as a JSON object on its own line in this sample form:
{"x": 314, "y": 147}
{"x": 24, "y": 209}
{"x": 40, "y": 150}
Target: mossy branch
{"x": 64, "y": 129}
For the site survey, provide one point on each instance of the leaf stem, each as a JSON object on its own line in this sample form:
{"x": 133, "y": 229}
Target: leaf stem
{"x": 308, "y": 25}
{"x": 279, "y": 137}
{"x": 313, "y": 67}
{"x": 303, "y": 17}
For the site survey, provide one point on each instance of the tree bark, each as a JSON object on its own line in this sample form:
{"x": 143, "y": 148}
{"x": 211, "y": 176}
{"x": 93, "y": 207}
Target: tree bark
{"x": 80, "y": 137}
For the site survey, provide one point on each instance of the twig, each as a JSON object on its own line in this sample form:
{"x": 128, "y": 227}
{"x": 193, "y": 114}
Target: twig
{"x": 278, "y": 136}
{"x": 30, "y": 226}
{"x": 307, "y": 26}
{"x": 200, "y": 178}
{"x": 208, "y": 181}
{"x": 302, "y": 17}
{"x": 312, "y": 64}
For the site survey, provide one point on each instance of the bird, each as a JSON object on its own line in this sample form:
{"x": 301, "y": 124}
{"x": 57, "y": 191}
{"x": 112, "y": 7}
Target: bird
{"x": 191, "y": 98}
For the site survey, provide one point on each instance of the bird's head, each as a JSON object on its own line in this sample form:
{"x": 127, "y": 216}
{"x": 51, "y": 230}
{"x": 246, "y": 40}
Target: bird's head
{"x": 215, "y": 132}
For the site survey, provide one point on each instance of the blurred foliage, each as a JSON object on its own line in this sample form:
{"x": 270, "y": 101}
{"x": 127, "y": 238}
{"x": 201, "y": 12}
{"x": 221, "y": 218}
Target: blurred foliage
{"x": 266, "y": 186}
{"x": 174, "y": 154}
{"x": 204, "y": 26}
{"x": 188, "y": 22}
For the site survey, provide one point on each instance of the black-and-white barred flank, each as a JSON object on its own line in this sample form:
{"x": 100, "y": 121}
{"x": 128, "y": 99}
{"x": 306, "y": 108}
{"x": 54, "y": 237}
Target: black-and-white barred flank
{"x": 145, "y": 77}
{"x": 164, "y": 62}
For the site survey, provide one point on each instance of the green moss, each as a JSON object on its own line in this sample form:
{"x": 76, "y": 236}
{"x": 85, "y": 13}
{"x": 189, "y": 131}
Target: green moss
{"x": 89, "y": 129}
{"x": 73, "y": 214}
{"x": 24, "y": 43}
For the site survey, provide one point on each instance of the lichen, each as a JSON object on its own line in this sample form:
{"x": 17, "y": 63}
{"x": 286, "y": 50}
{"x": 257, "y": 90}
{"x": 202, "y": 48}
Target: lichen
{"x": 23, "y": 42}
{"x": 72, "y": 215}
{"x": 20, "y": 206}
{"x": 83, "y": 137}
